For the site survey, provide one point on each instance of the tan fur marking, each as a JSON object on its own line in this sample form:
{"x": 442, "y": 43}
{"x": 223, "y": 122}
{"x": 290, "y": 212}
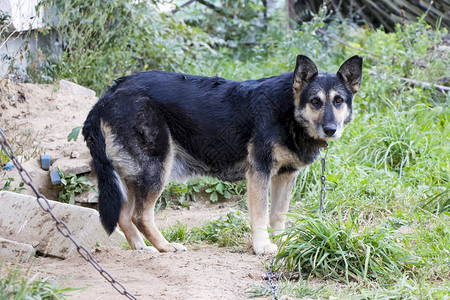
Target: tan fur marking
{"x": 297, "y": 89}
{"x": 124, "y": 163}
{"x": 282, "y": 157}
{"x": 313, "y": 117}
{"x": 333, "y": 94}
{"x": 321, "y": 94}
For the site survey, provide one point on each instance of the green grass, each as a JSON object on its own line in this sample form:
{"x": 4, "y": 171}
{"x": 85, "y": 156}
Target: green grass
{"x": 230, "y": 230}
{"x": 17, "y": 285}
{"x": 343, "y": 251}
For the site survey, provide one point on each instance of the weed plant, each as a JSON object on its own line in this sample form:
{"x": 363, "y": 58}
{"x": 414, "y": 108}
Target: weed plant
{"x": 17, "y": 285}
{"x": 231, "y": 230}
{"x": 185, "y": 193}
{"x": 71, "y": 185}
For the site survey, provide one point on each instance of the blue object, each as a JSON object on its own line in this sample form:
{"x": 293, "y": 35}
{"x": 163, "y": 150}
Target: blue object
{"x": 45, "y": 161}
{"x": 9, "y": 165}
{"x": 54, "y": 176}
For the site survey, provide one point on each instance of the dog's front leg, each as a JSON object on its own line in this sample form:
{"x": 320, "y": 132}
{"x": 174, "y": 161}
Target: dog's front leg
{"x": 257, "y": 194}
{"x": 280, "y": 197}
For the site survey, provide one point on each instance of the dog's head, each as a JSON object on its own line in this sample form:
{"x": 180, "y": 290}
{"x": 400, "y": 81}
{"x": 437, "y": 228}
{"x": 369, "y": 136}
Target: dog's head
{"x": 323, "y": 101}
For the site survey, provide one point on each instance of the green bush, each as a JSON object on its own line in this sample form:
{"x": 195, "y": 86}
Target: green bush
{"x": 103, "y": 40}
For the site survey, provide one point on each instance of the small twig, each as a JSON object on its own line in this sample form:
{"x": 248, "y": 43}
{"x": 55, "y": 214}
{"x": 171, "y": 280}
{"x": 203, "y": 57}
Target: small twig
{"x": 427, "y": 85}
{"x": 182, "y": 5}
{"x": 7, "y": 38}
{"x": 207, "y": 4}
{"x": 350, "y": 46}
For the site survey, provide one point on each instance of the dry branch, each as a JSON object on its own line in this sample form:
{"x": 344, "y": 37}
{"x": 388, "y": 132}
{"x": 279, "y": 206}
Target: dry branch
{"x": 426, "y": 85}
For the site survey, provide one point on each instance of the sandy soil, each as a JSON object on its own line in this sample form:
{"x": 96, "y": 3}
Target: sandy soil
{"x": 37, "y": 119}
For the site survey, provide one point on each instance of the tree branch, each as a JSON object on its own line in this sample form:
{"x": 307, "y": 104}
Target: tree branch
{"x": 426, "y": 85}
{"x": 182, "y": 5}
{"x": 350, "y": 46}
{"x": 215, "y": 8}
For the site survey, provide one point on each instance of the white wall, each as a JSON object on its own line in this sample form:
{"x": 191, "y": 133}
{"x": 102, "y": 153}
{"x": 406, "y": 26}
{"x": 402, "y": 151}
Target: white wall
{"x": 23, "y": 14}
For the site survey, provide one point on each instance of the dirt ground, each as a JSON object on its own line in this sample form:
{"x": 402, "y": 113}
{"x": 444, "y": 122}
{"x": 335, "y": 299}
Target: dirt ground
{"x": 37, "y": 119}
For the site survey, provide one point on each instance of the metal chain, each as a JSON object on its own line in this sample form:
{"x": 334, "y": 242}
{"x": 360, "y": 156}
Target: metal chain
{"x": 60, "y": 225}
{"x": 323, "y": 179}
{"x": 270, "y": 278}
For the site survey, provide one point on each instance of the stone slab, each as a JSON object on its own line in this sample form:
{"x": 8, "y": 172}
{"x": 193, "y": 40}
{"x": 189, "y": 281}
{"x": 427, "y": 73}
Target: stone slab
{"x": 87, "y": 197}
{"x": 72, "y": 166}
{"x": 11, "y": 250}
{"x": 22, "y": 220}
{"x": 74, "y": 88}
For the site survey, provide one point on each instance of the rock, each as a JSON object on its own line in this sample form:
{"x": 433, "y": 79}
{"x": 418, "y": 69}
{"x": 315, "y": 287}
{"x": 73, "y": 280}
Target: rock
{"x": 87, "y": 197}
{"x": 74, "y": 88}
{"x": 11, "y": 250}
{"x": 22, "y": 220}
{"x": 72, "y": 166}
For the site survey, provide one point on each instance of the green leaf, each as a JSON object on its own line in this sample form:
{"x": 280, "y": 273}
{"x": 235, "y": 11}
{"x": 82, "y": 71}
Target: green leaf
{"x": 214, "y": 197}
{"x": 74, "y": 134}
{"x": 72, "y": 198}
{"x": 220, "y": 188}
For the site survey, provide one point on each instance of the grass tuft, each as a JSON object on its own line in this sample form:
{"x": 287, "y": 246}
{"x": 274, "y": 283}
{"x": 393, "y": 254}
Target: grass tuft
{"x": 17, "y": 284}
{"x": 343, "y": 251}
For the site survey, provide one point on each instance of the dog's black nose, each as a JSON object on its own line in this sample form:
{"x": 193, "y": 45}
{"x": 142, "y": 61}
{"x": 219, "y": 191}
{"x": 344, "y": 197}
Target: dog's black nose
{"x": 329, "y": 130}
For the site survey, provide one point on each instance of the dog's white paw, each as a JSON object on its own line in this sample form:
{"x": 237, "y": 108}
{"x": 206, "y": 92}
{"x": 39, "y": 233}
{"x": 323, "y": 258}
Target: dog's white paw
{"x": 149, "y": 249}
{"x": 266, "y": 248}
{"x": 172, "y": 247}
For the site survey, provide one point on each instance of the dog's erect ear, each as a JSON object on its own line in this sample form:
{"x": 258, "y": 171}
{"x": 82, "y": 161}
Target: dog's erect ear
{"x": 304, "y": 71}
{"x": 351, "y": 72}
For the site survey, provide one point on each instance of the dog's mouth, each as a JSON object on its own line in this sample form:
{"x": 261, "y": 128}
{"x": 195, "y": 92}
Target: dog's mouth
{"x": 322, "y": 143}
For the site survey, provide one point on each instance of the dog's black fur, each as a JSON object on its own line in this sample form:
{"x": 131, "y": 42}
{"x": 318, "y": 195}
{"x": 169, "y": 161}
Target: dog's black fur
{"x": 213, "y": 121}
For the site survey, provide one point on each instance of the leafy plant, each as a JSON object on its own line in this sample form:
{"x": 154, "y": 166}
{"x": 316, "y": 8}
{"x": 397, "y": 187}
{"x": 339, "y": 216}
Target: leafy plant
{"x": 15, "y": 285}
{"x": 7, "y": 186}
{"x": 216, "y": 187}
{"x": 184, "y": 193}
{"x": 232, "y": 230}
{"x": 72, "y": 185}
{"x": 343, "y": 251}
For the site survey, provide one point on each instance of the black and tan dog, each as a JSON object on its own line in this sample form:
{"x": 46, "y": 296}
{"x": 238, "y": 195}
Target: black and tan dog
{"x": 153, "y": 127}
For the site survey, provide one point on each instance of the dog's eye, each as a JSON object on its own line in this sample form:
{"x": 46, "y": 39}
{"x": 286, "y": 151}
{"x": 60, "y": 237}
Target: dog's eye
{"x": 315, "y": 101}
{"x": 338, "y": 99}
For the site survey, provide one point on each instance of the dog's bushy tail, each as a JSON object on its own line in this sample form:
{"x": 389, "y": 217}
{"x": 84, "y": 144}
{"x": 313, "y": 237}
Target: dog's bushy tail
{"x": 112, "y": 192}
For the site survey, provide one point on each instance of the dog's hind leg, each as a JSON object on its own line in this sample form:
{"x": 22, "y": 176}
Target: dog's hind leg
{"x": 132, "y": 234}
{"x": 280, "y": 196}
{"x": 144, "y": 219}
